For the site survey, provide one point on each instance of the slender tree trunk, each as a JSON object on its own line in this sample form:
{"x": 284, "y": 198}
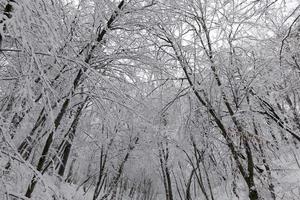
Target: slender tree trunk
{"x": 69, "y": 137}
{"x": 253, "y": 195}
{"x": 163, "y": 158}
{"x": 48, "y": 145}
{"x": 67, "y": 101}
{"x": 271, "y": 186}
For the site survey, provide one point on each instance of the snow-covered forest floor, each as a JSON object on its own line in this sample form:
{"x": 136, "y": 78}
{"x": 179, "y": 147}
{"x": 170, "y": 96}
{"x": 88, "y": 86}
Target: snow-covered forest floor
{"x": 149, "y": 99}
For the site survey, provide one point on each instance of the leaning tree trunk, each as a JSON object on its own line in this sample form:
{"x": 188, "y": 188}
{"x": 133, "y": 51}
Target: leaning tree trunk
{"x": 245, "y": 172}
{"x": 66, "y": 103}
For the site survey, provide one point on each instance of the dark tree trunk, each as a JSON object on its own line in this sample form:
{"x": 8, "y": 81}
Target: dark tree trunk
{"x": 69, "y": 137}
